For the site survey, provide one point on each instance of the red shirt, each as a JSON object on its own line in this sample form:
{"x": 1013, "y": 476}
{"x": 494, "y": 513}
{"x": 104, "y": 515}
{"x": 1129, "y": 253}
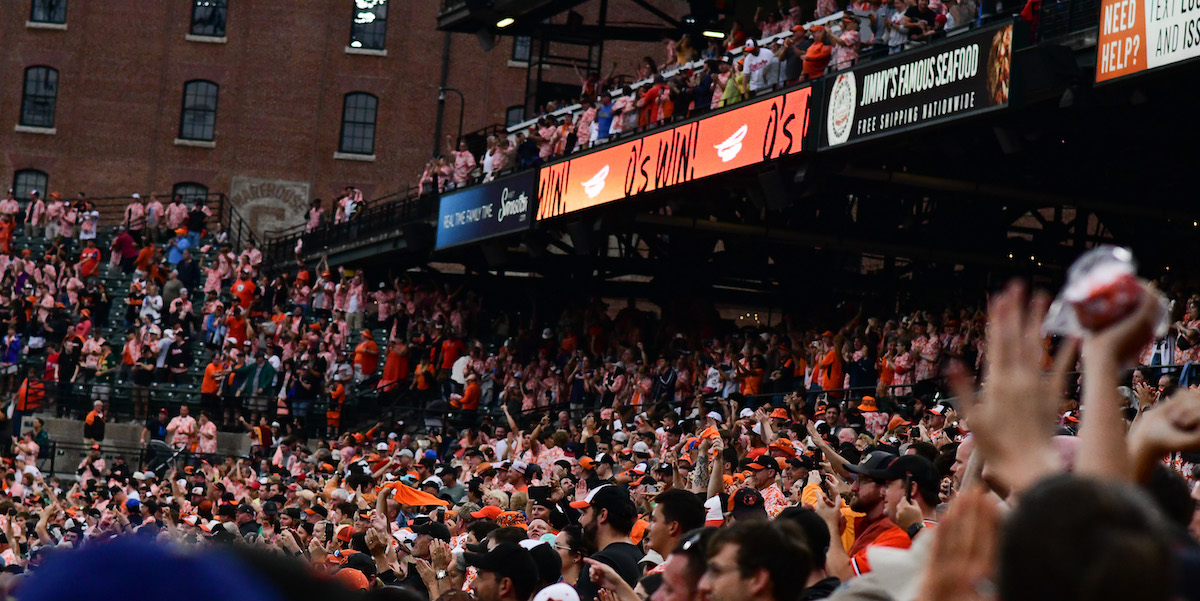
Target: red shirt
{"x": 452, "y": 349}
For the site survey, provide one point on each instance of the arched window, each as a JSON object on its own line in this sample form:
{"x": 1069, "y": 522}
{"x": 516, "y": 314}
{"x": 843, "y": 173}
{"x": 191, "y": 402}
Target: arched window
{"x": 190, "y": 191}
{"x": 198, "y": 121}
{"x": 39, "y": 97}
{"x": 28, "y": 180}
{"x": 369, "y": 24}
{"x": 358, "y": 123}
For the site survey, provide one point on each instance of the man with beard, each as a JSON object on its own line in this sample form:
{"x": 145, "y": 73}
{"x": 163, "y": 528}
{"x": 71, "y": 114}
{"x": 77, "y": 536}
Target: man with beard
{"x": 607, "y": 520}
{"x": 871, "y": 530}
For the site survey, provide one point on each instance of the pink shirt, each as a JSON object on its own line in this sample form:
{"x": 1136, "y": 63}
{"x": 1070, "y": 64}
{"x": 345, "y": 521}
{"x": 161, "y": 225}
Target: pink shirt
{"x": 135, "y": 215}
{"x": 177, "y": 213}
{"x": 184, "y": 428}
{"x": 464, "y": 162}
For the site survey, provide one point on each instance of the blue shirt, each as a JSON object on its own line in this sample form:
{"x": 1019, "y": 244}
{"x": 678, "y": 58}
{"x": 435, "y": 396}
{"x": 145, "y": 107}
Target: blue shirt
{"x": 604, "y": 117}
{"x": 176, "y": 248}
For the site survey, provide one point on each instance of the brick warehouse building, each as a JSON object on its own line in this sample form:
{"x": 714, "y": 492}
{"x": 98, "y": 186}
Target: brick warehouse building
{"x": 117, "y": 97}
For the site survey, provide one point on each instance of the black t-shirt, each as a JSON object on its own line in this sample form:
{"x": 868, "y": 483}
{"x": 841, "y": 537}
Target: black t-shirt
{"x": 915, "y": 14}
{"x": 143, "y": 377}
{"x": 158, "y": 430}
{"x": 623, "y": 557}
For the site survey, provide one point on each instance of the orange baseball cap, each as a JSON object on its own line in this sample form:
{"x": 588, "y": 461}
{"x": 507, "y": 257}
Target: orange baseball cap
{"x": 487, "y": 512}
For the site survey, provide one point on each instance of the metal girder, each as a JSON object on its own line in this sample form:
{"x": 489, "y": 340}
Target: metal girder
{"x": 591, "y": 34}
{"x": 658, "y": 13}
{"x": 930, "y": 182}
{"x": 824, "y": 241}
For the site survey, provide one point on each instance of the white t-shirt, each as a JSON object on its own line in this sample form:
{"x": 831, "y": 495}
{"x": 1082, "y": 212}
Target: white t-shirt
{"x": 712, "y": 380}
{"x": 755, "y": 67}
{"x": 488, "y": 158}
{"x": 457, "y": 371}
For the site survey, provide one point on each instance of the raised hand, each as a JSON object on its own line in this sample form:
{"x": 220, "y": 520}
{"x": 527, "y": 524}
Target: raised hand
{"x": 1013, "y": 420}
{"x": 964, "y": 552}
{"x": 1174, "y": 425}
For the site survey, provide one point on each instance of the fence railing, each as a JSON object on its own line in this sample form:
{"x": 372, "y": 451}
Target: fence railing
{"x": 1056, "y": 19}
{"x": 62, "y": 457}
{"x": 379, "y": 215}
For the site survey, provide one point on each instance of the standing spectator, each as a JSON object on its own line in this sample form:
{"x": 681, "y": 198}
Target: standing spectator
{"x": 9, "y": 207}
{"x": 176, "y": 214}
{"x": 817, "y": 58}
{"x": 35, "y": 215}
{"x": 312, "y": 217}
{"x": 177, "y": 245}
{"x": 189, "y": 271}
{"x": 155, "y": 218}
{"x": 135, "y": 219}
{"x": 366, "y": 357}
{"x": 845, "y": 53}
{"x": 182, "y": 429}
{"x": 583, "y": 125}
{"x": 608, "y": 517}
{"x": 156, "y": 429}
{"x": 93, "y": 424}
{"x": 464, "y": 161}
{"x": 89, "y": 223}
{"x": 125, "y": 250}
{"x": 604, "y": 117}
{"x": 489, "y": 158}
{"x": 755, "y": 68}
{"x": 197, "y": 222}
{"x": 29, "y": 398}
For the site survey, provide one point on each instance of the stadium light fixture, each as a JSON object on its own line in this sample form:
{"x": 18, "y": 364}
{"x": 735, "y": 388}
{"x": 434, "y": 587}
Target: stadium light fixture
{"x": 505, "y": 22}
{"x": 712, "y": 33}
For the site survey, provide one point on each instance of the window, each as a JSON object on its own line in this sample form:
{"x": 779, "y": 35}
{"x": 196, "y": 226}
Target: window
{"x": 190, "y": 191}
{"x": 49, "y": 11}
{"x": 514, "y": 115}
{"x": 369, "y": 25}
{"x": 199, "y": 118}
{"x": 208, "y": 17}
{"x": 522, "y": 48}
{"x": 358, "y": 124}
{"x": 41, "y": 93}
{"x": 28, "y": 180}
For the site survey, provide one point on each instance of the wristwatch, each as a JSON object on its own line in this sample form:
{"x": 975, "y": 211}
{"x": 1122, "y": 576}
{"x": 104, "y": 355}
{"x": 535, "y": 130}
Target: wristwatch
{"x": 441, "y": 574}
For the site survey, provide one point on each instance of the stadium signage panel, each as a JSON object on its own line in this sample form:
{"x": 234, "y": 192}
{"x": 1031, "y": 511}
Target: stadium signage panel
{"x": 745, "y": 135}
{"x": 1136, "y": 35}
{"x": 966, "y": 75}
{"x": 493, "y": 209}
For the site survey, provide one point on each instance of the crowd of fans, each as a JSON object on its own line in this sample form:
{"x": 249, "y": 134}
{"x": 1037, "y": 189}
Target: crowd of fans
{"x": 784, "y": 45}
{"x": 1035, "y": 486}
{"x": 587, "y": 454}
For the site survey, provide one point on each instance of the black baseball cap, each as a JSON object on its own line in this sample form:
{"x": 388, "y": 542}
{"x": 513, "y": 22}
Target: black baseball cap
{"x": 508, "y": 560}
{"x": 920, "y": 469}
{"x": 613, "y": 498}
{"x": 747, "y": 503}
{"x": 875, "y": 466}
{"x": 436, "y": 530}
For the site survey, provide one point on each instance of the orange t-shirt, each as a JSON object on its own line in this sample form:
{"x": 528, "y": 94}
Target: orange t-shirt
{"x": 237, "y": 328}
{"x": 366, "y": 356}
{"x": 470, "y": 399}
{"x": 144, "y": 257}
{"x": 209, "y": 384}
{"x": 244, "y": 291}
{"x": 881, "y": 533}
